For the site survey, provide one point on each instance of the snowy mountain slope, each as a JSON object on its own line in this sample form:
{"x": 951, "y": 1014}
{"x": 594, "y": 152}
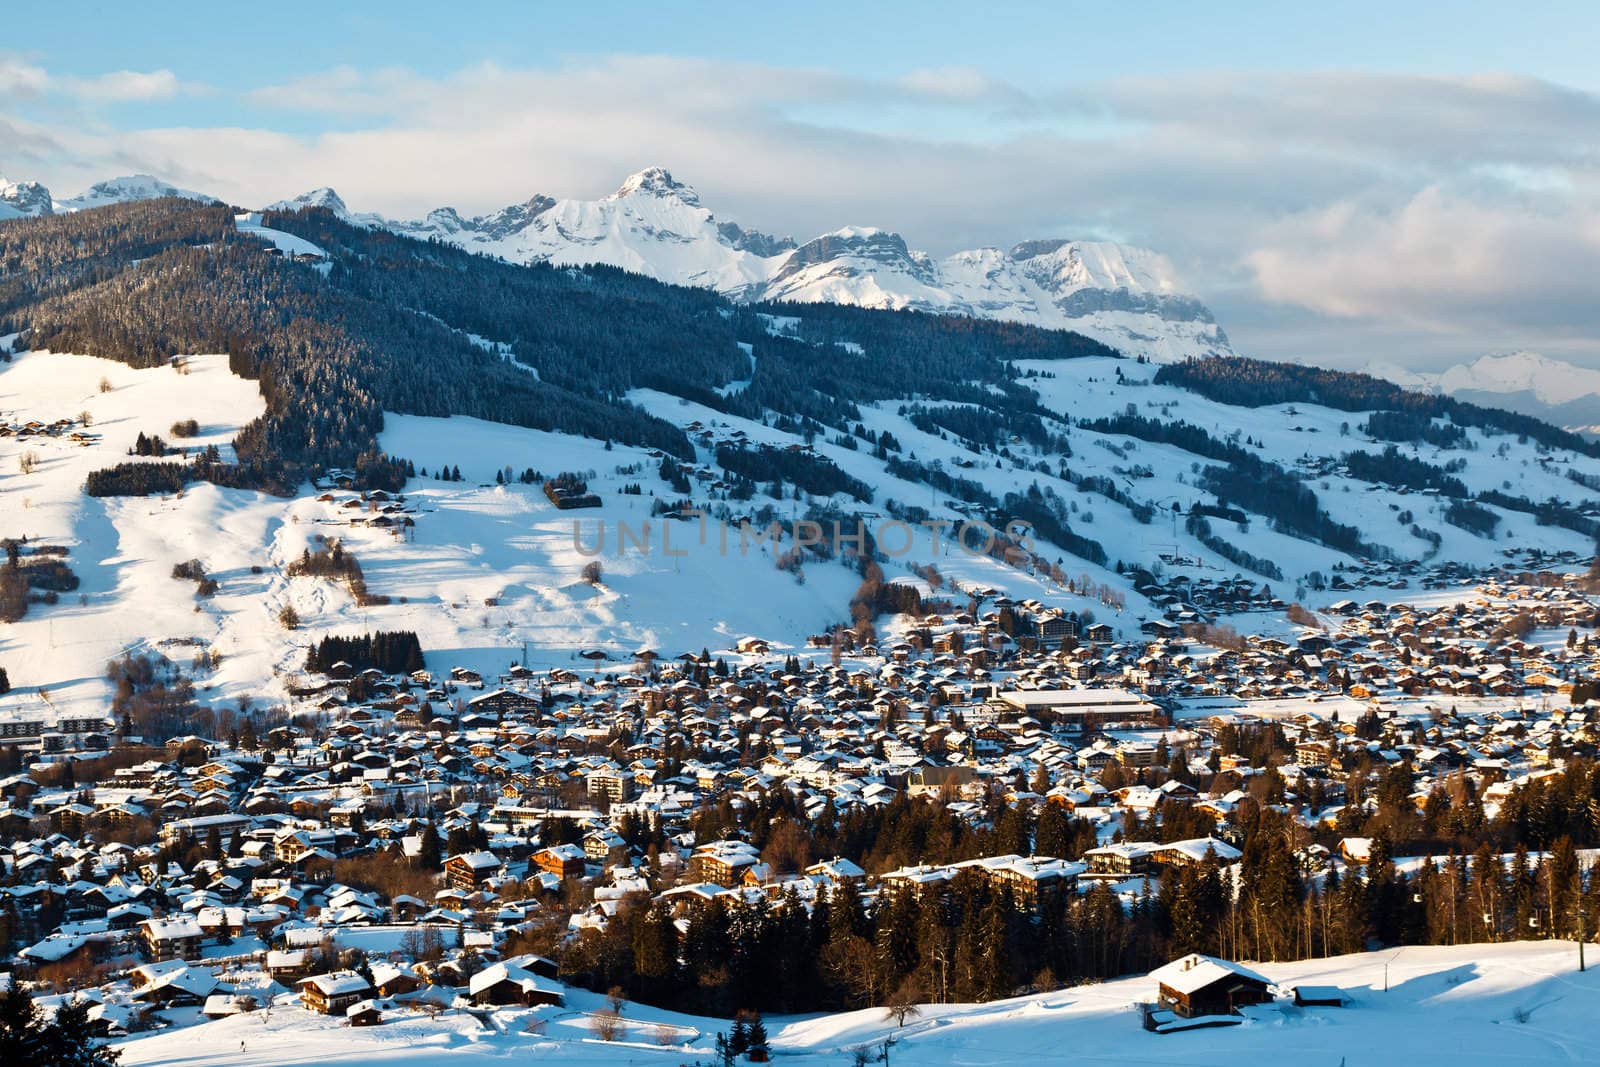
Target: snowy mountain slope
{"x": 30, "y": 199}
{"x": 487, "y": 567}
{"x": 1525, "y": 382}
{"x": 329, "y": 200}
{"x": 1469, "y": 1006}
{"x": 655, "y": 225}
{"x": 250, "y": 223}
{"x": 1551, "y": 381}
{"x": 122, "y": 190}
{"x": 652, "y": 224}
{"x": 490, "y": 567}
{"x": 23, "y": 199}
{"x": 121, "y": 548}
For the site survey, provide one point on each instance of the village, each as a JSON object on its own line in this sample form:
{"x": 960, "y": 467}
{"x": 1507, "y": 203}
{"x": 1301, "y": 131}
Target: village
{"x": 407, "y": 842}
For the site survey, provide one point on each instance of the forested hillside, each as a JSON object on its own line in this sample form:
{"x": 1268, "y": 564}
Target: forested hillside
{"x": 370, "y": 322}
{"x": 396, "y": 324}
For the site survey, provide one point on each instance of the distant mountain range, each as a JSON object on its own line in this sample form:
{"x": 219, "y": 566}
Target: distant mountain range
{"x": 24, "y": 199}
{"x": 655, "y": 225}
{"x": 1525, "y": 382}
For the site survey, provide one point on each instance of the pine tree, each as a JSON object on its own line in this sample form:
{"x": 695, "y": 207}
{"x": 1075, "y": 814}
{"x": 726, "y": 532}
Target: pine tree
{"x": 655, "y": 946}
{"x": 1053, "y": 834}
{"x": 430, "y": 852}
{"x": 25, "y": 1037}
{"x": 756, "y": 1039}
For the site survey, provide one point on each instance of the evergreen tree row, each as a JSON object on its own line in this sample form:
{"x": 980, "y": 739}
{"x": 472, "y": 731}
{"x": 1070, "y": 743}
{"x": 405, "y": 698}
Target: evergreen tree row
{"x": 390, "y": 651}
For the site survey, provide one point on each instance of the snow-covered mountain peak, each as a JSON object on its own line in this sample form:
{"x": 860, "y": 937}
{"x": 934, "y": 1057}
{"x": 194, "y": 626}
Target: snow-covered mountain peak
{"x": 125, "y": 189}
{"x": 23, "y": 199}
{"x": 1070, "y": 265}
{"x": 323, "y": 197}
{"x": 1550, "y": 380}
{"x": 655, "y": 181}
{"x": 1129, "y": 298}
{"x": 1525, "y": 382}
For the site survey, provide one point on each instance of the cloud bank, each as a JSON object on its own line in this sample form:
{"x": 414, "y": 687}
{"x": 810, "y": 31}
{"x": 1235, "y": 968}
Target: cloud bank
{"x": 1329, "y": 215}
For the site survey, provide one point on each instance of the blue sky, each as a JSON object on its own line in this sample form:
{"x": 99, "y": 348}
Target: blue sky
{"x": 1341, "y": 182}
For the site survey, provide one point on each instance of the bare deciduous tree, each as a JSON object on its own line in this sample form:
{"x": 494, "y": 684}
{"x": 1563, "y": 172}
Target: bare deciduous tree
{"x": 606, "y": 1024}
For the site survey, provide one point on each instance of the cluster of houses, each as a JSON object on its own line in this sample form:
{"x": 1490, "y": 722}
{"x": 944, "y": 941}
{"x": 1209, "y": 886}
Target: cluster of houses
{"x": 375, "y": 509}
{"x": 60, "y": 429}
{"x": 1186, "y": 599}
{"x": 203, "y": 873}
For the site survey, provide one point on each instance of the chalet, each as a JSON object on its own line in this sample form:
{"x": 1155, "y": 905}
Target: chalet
{"x": 1197, "y": 985}
{"x": 836, "y": 871}
{"x": 1126, "y": 859}
{"x": 1051, "y": 630}
{"x": 290, "y": 964}
{"x": 510, "y": 983}
{"x": 1319, "y": 996}
{"x": 1028, "y": 876}
{"x": 470, "y": 870}
{"x": 722, "y": 862}
{"x": 332, "y": 994}
{"x": 1194, "y": 853}
{"x": 394, "y": 979}
{"x": 172, "y": 983}
{"x": 171, "y": 939}
{"x": 222, "y": 1005}
{"x": 563, "y": 861}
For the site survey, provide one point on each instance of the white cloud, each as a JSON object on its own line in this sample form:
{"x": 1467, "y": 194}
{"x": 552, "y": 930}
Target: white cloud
{"x": 1440, "y": 261}
{"x": 345, "y": 91}
{"x": 1353, "y": 204}
{"x": 20, "y": 78}
{"x": 120, "y": 86}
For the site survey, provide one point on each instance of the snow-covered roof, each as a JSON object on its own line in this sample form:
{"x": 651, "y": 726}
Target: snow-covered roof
{"x": 1194, "y": 972}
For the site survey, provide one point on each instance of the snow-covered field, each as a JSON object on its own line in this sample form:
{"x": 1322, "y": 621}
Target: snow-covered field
{"x": 491, "y": 574}
{"x": 1472, "y": 1005}
{"x": 122, "y": 548}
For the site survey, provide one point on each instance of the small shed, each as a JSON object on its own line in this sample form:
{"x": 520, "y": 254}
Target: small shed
{"x": 1319, "y": 996}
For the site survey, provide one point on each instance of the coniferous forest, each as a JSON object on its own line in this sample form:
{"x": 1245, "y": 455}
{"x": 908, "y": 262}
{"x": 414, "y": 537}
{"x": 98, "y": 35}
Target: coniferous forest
{"x": 969, "y": 940}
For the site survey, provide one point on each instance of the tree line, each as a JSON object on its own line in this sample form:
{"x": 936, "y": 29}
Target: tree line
{"x": 390, "y": 651}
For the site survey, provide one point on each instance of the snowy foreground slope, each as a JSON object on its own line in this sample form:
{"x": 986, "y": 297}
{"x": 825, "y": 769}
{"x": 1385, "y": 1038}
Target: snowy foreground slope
{"x": 1483, "y": 1004}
